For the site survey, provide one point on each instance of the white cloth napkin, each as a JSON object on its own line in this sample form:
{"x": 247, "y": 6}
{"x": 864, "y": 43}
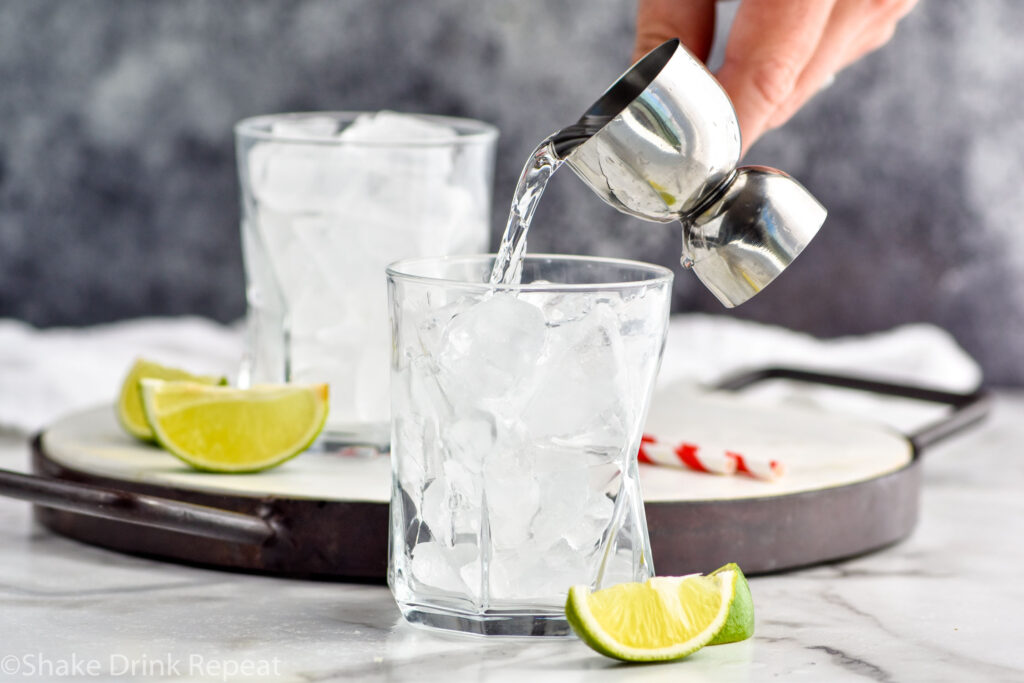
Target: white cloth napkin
{"x": 702, "y": 349}
{"x": 47, "y": 373}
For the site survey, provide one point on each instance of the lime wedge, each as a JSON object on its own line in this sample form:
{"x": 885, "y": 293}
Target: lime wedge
{"x": 668, "y": 617}
{"x": 129, "y": 403}
{"x": 220, "y": 429}
{"x": 739, "y": 625}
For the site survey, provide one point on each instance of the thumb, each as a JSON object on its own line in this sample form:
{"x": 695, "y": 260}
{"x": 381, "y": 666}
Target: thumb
{"x": 692, "y": 21}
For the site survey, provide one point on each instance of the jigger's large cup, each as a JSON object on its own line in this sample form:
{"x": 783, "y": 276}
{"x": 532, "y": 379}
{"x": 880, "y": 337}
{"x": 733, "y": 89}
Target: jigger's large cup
{"x": 517, "y": 413}
{"x": 662, "y": 144}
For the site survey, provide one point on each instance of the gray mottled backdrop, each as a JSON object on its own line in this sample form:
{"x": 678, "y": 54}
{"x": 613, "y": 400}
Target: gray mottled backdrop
{"x": 118, "y": 194}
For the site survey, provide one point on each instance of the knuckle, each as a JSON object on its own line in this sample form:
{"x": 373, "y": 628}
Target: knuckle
{"x": 879, "y": 38}
{"x": 774, "y": 79}
{"x": 884, "y": 6}
{"x": 891, "y": 8}
{"x": 652, "y": 35}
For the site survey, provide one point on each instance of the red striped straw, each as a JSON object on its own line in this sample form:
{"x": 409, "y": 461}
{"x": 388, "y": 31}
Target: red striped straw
{"x": 769, "y": 470}
{"x": 686, "y": 454}
{"x": 652, "y": 452}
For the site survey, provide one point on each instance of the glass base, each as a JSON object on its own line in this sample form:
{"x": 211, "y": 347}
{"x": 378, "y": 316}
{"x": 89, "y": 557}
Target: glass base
{"x": 368, "y": 439}
{"x": 508, "y": 624}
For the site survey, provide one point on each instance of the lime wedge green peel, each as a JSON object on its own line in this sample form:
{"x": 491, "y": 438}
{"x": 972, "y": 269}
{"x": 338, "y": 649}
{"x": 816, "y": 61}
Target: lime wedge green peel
{"x": 129, "y": 403}
{"x": 666, "y": 618}
{"x": 740, "y": 623}
{"x": 221, "y": 429}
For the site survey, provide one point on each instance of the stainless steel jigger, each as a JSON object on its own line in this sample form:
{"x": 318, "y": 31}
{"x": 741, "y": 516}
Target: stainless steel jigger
{"x": 662, "y": 144}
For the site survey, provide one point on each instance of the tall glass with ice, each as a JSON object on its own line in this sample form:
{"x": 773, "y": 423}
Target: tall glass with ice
{"x": 328, "y": 200}
{"x": 517, "y": 413}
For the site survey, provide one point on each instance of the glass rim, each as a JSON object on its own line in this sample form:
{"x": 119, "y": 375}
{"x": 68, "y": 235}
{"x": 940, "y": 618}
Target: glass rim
{"x": 468, "y": 131}
{"x": 659, "y": 274}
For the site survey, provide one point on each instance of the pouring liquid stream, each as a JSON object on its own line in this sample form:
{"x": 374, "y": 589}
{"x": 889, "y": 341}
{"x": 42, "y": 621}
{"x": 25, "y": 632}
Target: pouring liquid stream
{"x": 533, "y": 180}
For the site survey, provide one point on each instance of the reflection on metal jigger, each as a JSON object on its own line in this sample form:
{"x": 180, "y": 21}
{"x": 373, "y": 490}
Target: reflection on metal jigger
{"x": 662, "y": 144}
{"x": 745, "y": 236}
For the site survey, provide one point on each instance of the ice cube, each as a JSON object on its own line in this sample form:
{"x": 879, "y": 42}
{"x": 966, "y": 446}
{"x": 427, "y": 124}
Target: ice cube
{"x": 425, "y": 395}
{"x": 436, "y": 513}
{"x": 451, "y": 505}
{"x": 585, "y": 537}
{"x": 513, "y": 498}
{"x": 408, "y": 453}
{"x": 365, "y": 204}
{"x": 450, "y": 221}
{"x": 565, "y": 567}
{"x": 391, "y": 126}
{"x": 582, "y": 390}
{"x": 429, "y": 439}
{"x": 297, "y": 177}
{"x": 563, "y": 481}
{"x": 402, "y": 146}
{"x": 465, "y": 496}
{"x": 537, "y": 575}
{"x": 304, "y": 127}
{"x": 275, "y": 233}
{"x": 431, "y": 320}
{"x": 470, "y": 440}
{"x": 640, "y": 313}
{"x": 470, "y": 575}
{"x": 366, "y": 182}
{"x": 437, "y": 566}
{"x": 559, "y": 307}
{"x": 503, "y": 569}
{"x": 488, "y": 349}
{"x": 576, "y": 487}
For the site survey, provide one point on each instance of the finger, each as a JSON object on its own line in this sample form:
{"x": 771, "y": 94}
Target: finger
{"x": 891, "y": 11}
{"x": 770, "y": 43}
{"x": 879, "y": 28}
{"x": 870, "y": 41}
{"x": 875, "y": 38}
{"x": 845, "y": 24}
{"x": 851, "y": 33}
{"x": 692, "y": 21}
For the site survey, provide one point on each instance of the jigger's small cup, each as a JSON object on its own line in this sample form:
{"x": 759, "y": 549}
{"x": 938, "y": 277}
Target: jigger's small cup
{"x": 668, "y": 149}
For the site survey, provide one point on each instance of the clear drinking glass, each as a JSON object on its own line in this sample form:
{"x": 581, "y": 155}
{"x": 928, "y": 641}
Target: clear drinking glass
{"x": 517, "y": 413}
{"x": 328, "y": 200}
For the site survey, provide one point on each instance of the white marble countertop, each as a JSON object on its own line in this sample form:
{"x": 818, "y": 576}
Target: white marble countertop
{"x": 943, "y": 605}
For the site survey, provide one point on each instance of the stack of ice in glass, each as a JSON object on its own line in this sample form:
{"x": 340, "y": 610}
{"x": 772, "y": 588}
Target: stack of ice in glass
{"x": 513, "y": 410}
{"x": 330, "y": 206}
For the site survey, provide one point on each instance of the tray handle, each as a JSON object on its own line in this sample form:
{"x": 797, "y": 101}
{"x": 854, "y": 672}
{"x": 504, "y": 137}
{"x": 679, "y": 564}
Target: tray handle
{"x": 137, "y": 508}
{"x": 967, "y": 409}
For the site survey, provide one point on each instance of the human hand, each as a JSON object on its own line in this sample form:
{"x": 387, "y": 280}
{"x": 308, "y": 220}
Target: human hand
{"x": 779, "y": 53}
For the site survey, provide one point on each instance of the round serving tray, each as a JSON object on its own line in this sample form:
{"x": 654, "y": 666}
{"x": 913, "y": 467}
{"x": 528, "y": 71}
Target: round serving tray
{"x": 852, "y": 487}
